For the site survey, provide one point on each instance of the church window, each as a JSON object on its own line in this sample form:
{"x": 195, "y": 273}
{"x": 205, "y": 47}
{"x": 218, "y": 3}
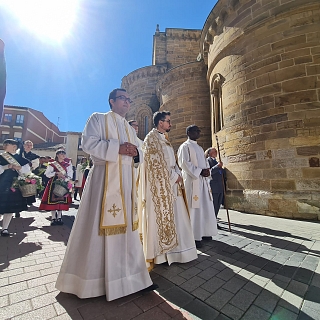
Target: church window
{"x": 146, "y": 125}
{"x": 216, "y": 104}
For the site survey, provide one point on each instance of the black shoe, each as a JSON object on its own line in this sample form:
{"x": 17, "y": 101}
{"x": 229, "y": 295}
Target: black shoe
{"x": 17, "y": 215}
{"x": 198, "y": 244}
{"x": 54, "y": 222}
{"x": 207, "y": 238}
{"x": 150, "y": 288}
{"x": 59, "y": 222}
{"x": 219, "y": 228}
{"x": 5, "y": 233}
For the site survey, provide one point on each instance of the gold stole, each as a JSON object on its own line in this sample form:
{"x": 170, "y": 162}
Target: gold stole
{"x": 10, "y": 159}
{"x": 161, "y": 191}
{"x": 113, "y": 219}
{"x": 195, "y": 203}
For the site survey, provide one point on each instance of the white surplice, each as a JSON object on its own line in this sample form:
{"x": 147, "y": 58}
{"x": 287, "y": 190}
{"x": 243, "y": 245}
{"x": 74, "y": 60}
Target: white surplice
{"x": 202, "y": 214}
{"x": 176, "y": 237}
{"x": 96, "y": 265}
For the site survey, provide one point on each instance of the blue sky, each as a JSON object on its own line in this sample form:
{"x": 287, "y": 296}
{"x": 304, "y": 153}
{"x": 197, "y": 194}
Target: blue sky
{"x": 71, "y": 79}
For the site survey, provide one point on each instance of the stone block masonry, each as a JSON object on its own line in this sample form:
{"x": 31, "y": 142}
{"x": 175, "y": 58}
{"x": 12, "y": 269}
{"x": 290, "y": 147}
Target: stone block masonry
{"x": 272, "y": 119}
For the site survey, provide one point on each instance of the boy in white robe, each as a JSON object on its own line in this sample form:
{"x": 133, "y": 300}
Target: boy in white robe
{"x": 195, "y": 172}
{"x": 104, "y": 254}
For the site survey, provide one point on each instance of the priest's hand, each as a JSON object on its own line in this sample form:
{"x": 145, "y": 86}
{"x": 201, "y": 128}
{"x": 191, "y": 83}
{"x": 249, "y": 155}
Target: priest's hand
{"x": 205, "y": 172}
{"x": 179, "y": 179}
{"x": 128, "y": 149}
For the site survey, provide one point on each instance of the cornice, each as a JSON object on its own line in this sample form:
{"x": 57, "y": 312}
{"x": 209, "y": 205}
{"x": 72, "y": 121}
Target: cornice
{"x": 228, "y": 13}
{"x": 145, "y": 72}
{"x": 215, "y": 23}
{"x": 183, "y": 34}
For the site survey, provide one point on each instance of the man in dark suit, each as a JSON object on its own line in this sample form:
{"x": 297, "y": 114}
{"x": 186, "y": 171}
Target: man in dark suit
{"x": 216, "y": 182}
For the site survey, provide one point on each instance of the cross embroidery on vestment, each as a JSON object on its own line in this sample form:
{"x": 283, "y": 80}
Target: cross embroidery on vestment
{"x": 114, "y": 210}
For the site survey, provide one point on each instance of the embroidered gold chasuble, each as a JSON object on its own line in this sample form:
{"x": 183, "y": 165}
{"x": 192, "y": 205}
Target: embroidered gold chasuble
{"x": 165, "y": 226}
{"x": 161, "y": 190}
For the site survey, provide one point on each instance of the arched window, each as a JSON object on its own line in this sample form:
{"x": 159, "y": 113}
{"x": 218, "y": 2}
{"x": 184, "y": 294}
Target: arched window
{"x": 144, "y": 118}
{"x": 217, "y": 122}
{"x": 146, "y": 125}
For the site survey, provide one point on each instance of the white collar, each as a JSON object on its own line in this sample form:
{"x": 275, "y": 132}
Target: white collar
{"x": 117, "y": 115}
{"x": 192, "y": 141}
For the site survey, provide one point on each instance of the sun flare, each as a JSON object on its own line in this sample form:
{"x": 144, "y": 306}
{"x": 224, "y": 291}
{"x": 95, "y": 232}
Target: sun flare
{"x": 48, "y": 19}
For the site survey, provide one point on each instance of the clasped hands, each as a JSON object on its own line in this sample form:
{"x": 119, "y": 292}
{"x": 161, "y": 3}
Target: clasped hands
{"x": 14, "y": 167}
{"x": 205, "y": 172}
{"x": 60, "y": 175}
{"x": 128, "y": 149}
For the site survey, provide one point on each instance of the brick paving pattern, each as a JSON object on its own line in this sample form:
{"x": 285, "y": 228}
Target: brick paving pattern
{"x": 267, "y": 268}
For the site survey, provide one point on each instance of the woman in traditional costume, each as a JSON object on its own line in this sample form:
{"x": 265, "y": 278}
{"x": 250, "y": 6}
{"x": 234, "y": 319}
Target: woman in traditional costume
{"x": 57, "y": 169}
{"x": 11, "y": 165}
{"x": 25, "y": 152}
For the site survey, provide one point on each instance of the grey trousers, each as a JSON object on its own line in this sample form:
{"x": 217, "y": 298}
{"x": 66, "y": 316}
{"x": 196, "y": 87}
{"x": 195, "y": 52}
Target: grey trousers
{"x": 217, "y": 201}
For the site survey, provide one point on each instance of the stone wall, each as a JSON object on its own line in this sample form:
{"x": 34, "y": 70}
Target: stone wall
{"x": 267, "y": 57}
{"x": 175, "y": 47}
{"x": 184, "y": 92}
{"x": 141, "y": 85}
{"x": 171, "y": 48}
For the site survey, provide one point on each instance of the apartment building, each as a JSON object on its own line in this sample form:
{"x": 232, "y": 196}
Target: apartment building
{"x": 22, "y": 123}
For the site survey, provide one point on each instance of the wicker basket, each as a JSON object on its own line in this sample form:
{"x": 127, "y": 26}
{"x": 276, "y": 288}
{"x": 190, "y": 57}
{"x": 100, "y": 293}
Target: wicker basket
{"x": 28, "y": 190}
{"x": 59, "y": 190}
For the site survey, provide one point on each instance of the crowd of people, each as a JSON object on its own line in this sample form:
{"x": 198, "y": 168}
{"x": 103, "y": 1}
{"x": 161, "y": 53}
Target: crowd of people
{"x": 142, "y": 203}
{"x": 17, "y": 165}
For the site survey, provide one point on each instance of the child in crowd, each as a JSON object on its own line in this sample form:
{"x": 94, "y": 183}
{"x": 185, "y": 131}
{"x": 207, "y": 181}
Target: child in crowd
{"x": 57, "y": 169}
{"x": 11, "y": 165}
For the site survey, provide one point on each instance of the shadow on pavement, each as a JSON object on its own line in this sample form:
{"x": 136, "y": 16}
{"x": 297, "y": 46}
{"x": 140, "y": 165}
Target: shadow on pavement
{"x": 277, "y": 233}
{"x": 274, "y": 242}
{"x": 221, "y": 284}
{"x": 13, "y": 247}
{"x": 149, "y": 305}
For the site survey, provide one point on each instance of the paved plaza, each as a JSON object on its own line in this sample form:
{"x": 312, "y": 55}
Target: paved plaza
{"x": 266, "y": 268}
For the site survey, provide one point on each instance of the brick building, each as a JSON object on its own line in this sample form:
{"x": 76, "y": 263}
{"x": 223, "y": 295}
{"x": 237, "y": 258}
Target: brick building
{"x": 251, "y": 78}
{"x": 21, "y": 123}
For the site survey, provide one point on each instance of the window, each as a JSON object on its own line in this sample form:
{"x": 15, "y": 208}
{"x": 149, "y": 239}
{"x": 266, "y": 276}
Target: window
{"x": 4, "y": 135}
{"x": 146, "y": 125}
{"x": 79, "y": 143}
{"x": 216, "y": 103}
{"x": 7, "y": 117}
{"x": 19, "y": 119}
{"x": 17, "y": 136}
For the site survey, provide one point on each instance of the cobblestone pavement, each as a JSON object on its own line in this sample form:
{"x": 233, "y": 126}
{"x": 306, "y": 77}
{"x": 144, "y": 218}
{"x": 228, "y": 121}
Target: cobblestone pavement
{"x": 267, "y": 268}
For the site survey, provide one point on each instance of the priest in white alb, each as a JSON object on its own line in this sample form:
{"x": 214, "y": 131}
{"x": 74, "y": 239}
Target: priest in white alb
{"x": 104, "y": 255}
{"x": 165, "y": 223}
{"x": 195, "y": 172}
